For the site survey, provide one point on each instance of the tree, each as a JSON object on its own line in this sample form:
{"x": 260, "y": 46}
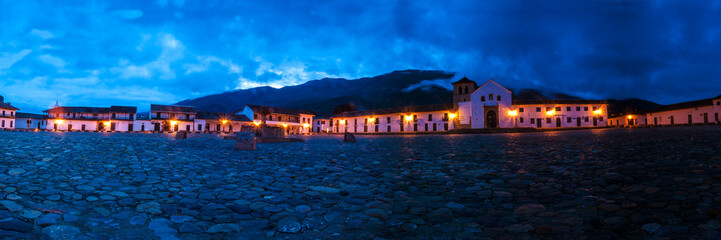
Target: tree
{"x": 348, "y": 107}
{"x": 264, "y": 112}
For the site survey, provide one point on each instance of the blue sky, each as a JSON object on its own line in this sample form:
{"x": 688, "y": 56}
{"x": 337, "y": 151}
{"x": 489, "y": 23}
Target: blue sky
{"x": 98, "y": 53}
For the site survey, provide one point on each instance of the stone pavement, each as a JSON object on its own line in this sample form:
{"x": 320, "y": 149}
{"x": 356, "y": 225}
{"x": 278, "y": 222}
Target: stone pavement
{"x": 588, "y": 184}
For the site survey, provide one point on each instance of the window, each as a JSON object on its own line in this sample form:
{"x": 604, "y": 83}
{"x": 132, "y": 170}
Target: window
{"x": 578, "y": 109}
{"x": 533, "y": 121}
{"x": 520, "y": 110}
{"x": 548, "y": 109}
{"x": 600, "y": 119}
{"x": 568, "y": 120}
{"x": 388, "y": 120}
{"x": 466, "y": 89}
{"x": 460, "y": 90}
{"x": 377, "y": 121}
{"x": 498, "y": 98}
{"x": 445, "y": 117}
{"x": 568, "y": 109}
{"x": 366, "y": 122}
{"x": 490, "y": 97}
{"x": 538, "y": 109}
{"x": 585, "y": 109}
{"x": 415, "y": 118}
{"x": 388, "y": 129}
{"x": 355, "y": 121}
{"x": 558, "y": 109}
{"x": 548, "y": 120}
{"x": 586, "y": 120}
{"x": 520, "y": 119}
{"x": 483, "y": 98}
{"x": 445, "y": 126}
{"x": 718, "y": 103}
{"x": 430, "y": 117}
{"x": 594, "y": 108}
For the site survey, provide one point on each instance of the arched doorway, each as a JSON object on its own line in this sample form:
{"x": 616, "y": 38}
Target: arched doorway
{"x": 491, "y": 119}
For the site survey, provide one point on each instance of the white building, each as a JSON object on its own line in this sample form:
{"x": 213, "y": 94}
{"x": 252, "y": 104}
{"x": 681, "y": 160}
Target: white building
{"x": 294, "y": 121}
{"x": 221, "y": 122}
{"x": 112, "y": 119}
{"x": 628, "y": 120}
{"x": 492, "y": 106}
{"x": 172, "y": 118}
{"x": 700, "y": 112}
{"x": 321, "y": 125}
{"x": 30, "y": 121}
{"x": 7, "y": 115}
{"x": 414, "y": 119}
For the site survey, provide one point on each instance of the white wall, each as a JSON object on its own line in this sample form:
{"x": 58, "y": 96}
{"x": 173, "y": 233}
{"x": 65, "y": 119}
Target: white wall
{"x": 586, "y": 117}
{"x": 7, "y": 119}
{"x": 22, "y": 123}
{"x": 464, "y": 112}
{"x": 680, "y": 116}
{"x": 363, "y": 124}
{"x": 482, "y": 98}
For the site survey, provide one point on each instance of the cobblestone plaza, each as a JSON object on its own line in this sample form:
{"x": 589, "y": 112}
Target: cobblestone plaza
{"x": 603, "y": 183}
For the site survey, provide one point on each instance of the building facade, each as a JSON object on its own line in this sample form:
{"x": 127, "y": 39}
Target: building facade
{"x": 294, "y": 121}
{"x": 30, "y": 121}
{"x": 112, "y": 119}
{"x": 414, "y": 119}
{"x": 221, "y": 122}
{"x": 700, "y": 112}
{"x": 322, "y": 125}
{"x": 172, "y": 118}
{"x": 7, "y": 115}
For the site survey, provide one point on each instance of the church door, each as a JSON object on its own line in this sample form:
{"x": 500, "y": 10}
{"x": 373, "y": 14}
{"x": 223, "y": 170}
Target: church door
{"x": 491, "y": 119}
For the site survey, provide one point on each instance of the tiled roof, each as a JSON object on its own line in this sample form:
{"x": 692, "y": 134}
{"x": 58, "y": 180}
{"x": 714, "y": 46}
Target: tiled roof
{"x": 123, "y": 109}
{"x": 690, "y": 104}
{"x": 7, "y": 106}
{"x": 464, "y": 80}
{"x": 409, "y": 109}
{"x": 287, "y": 111}
{"x": 29, "y": 115}
{"x": 172, "y": 108}
{"x": 79, "y": 110}
{"x": 569, "y": 101}
{"x": 217, "y": 116}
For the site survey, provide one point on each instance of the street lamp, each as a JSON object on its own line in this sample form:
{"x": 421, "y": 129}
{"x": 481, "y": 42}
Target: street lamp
{"x": 513, "y": 113}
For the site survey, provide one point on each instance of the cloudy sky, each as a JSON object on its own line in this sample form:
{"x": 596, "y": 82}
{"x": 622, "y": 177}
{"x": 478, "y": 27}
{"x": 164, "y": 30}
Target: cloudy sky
{"x": 140, "y": 52}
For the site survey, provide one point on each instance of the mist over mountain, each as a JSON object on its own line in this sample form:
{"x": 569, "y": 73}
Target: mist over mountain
{"x": 395, "y": 89}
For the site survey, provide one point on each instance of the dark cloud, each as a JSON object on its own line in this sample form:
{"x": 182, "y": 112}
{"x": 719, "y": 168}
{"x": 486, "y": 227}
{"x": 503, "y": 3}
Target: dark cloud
{"x": 166, "y": 51}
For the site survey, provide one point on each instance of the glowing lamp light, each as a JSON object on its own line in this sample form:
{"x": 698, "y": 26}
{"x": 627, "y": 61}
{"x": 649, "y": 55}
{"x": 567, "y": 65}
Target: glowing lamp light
{"x": 551, "y": 113}
{"x": 452, "y": 115}
{"x": 59, "y": 121}
{"x": 173, "y": 123}
{"x": 285, "y": 125}
{"x": 599, "y": 112}
{"x": 305, "y": 125}
{"x": 409, "y": 117}
{"x": 256, "y": 123}
{"x": 107, "y": 123}
{"x": 371, "y": 120}
{"x": 512, "y": 113}
{"x": 224, "y": 121}
{"x": 342, "y": 121}
{"x": 630, "y": 116}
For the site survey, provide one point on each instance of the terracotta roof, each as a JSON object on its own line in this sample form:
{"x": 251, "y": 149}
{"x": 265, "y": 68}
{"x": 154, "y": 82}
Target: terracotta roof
{"x": 7, "y": 106}
{"x": 79, "y": 110}
{"x": 29, "y": 115}
{"x": 568, "y": 101}
{"x": 409, "y": 109}
{"x": 172, "y": 108}
{"x": 217, "y": 116}
{"x": 123, "y": 109}
{"x": 287, "y": 111}
{"x": 464, "y": 80}
{"x": 690, "y": 104}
